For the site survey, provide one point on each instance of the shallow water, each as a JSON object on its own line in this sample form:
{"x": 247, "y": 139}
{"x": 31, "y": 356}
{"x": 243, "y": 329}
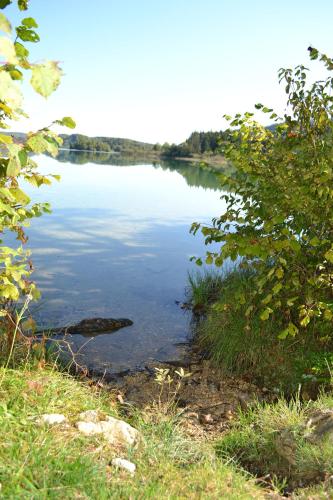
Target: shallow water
{"x": 117, "y": 244}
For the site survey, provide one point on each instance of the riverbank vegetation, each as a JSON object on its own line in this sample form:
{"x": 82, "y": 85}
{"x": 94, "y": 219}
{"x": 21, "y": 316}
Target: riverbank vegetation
{"x": 278, "y": 225}
{"x": 247, "y": 346}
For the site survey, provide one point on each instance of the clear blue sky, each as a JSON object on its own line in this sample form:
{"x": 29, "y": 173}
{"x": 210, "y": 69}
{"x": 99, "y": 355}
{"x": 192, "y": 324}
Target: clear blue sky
{"x": 157, "y": 70}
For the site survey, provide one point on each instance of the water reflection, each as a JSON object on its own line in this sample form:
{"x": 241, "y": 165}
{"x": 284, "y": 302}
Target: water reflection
{"x": 118, "y": 245}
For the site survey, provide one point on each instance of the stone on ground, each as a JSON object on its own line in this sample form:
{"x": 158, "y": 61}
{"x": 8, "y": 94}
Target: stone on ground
{"x": 121, "y": 463}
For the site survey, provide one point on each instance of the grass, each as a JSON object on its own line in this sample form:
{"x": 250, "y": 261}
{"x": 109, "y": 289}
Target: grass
{"x": 40, "y": 462}
{"x": 272, "y": 440}
{"x": 248, "y": 346}
{"x": 205, "y": 287}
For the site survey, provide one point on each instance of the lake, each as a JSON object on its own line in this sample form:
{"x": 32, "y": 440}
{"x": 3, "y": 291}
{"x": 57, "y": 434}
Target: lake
{"x": 117, "y": 244}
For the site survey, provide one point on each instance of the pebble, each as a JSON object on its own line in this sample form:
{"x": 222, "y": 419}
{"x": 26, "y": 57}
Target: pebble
{"x": 52, "y": 419}
{"x": 122, "y": 463}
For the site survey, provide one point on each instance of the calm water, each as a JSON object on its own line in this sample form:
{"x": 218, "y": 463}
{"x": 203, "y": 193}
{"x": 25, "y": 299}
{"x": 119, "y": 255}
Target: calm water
{"x": 118, "y": 245}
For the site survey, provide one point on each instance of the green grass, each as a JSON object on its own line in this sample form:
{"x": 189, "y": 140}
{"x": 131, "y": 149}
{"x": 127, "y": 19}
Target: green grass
{"x": 204, "y": 287}
{"x": 257, "y": 438}
{"x": 41, "y": 463}
{"x": 250, "y": 347}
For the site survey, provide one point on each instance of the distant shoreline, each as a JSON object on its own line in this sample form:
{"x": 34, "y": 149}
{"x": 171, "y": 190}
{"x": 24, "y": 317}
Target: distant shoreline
{"x": 211, "y": 160}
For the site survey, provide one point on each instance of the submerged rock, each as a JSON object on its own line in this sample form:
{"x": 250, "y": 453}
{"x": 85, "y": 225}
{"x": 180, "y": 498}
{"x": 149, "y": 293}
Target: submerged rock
{"x": 93, "y": 326}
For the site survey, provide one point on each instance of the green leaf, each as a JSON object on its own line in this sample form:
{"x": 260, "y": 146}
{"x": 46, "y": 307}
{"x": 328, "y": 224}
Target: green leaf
{"x": 16, "y": 74}
{"x": 21, "y": 51}
{"x": 279, "y": 273}
{"x": 7, "y": 49}
{"x": 266, "y": 313}
{"x": 26, "y": 34}
{"x": 23, "y": 157}
{"x": 23, "y": 4}
{"x": 29, "y": 22}
{"x": 20, "y": 196}
{"x": 291, "y": 330}
{"x": 209, "y": 259}
{"x": 6, "y": 139}
{"x": 67, "y": 121}
{"x": 267, "y": 299}
{"x": 37, "y": 143}
{"x": 9, "y": 291}
{"x": 4, "y": 3}
{"x": 13, "y": 167}
{"x": 46, "y": 77}
{"x": 5, "y": 24}
{"x": 9, "y": 92}
{"x": 329, "y": 255}
{"x": 14, "y": 164}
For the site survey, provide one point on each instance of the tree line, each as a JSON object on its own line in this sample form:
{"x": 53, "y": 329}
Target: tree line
{"x": 197, "y": 144}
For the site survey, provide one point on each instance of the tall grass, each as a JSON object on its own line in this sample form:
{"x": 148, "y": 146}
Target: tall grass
{"x": 272, "y": 440}
{"x": 246, "y": 345}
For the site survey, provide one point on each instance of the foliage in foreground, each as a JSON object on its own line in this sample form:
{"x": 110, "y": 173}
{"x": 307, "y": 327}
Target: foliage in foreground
{"x": 279, "y": 216}
{"x": 36, "y": 462}
{"x": 274, "y": 440}
{"x": 16, "y": 159}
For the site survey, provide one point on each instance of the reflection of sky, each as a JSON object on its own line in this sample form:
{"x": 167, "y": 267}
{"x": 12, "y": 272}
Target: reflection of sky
{"x": 137, "y": 192}
{"x": 118, "y": 245}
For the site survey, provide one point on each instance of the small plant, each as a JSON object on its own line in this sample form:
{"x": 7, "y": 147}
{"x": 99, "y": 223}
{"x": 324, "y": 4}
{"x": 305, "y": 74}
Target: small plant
{"x": 168, "y": 395}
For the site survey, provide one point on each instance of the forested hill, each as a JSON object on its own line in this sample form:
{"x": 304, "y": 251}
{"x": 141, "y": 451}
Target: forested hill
{"x": 199, "y": 143}
{"x": 107, "y": 144}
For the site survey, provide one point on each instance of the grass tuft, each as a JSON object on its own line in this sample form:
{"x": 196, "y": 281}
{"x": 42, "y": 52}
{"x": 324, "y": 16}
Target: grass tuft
{"x": 245, "y": 345}
{"x": 273, "y": 440}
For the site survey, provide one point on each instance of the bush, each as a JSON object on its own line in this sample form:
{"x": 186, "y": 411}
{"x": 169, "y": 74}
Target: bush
{"x": 279, "y": 216}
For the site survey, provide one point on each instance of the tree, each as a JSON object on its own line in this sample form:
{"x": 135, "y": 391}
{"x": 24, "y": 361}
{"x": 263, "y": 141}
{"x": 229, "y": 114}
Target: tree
{"x": 17, "y": 162}
{"x": 279, "y": 216}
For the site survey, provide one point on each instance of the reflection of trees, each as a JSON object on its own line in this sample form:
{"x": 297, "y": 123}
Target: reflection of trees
{"x": 81, "y": 157}
{"x": 194, "y": 174}
{"x": 101, "y": 158}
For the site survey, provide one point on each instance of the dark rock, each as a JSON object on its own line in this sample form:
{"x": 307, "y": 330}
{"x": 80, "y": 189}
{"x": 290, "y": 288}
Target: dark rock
{"x": 285, "y": 446}
{"x": 320, "y": 426}
{"x": 93, "y": 326}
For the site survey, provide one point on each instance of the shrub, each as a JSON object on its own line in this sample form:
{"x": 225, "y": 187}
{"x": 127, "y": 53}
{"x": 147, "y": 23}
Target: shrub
{"x": 279, "y": 216}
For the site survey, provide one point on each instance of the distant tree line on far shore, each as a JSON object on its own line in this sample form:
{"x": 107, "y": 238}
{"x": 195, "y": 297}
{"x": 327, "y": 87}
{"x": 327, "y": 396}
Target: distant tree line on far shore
{"x": 80, "y": 142}
{"x": 197, "y": 144}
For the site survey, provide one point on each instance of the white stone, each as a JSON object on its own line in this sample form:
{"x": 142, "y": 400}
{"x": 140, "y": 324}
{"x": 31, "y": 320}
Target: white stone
{"x": 89, "y": 428}
{"x": 116, "y": 431}
{"x": 121, "y": 463}
{"x": 52, "y": 419}
{"x": 90, "y": 416}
